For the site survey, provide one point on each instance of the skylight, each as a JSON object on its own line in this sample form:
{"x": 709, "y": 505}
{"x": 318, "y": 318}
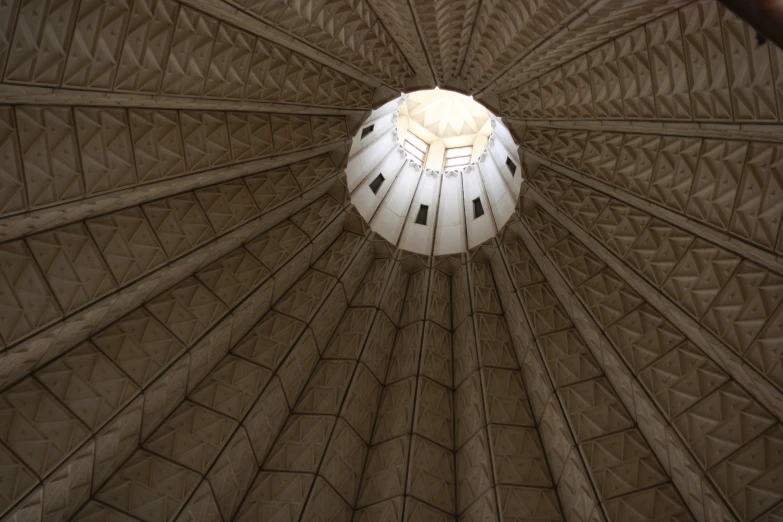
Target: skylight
{"x": 441, "y": 190}
{"x": 416, "y": 148}
{"x": 458, "y": 157}
{"x": 441, "y": 130}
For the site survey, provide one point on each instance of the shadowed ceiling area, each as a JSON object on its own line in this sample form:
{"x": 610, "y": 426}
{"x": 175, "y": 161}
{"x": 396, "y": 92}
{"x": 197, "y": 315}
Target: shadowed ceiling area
{"x": 197, "y": 323}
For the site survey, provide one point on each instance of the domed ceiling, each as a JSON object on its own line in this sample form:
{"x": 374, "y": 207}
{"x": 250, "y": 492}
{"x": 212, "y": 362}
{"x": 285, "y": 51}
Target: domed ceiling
{"x": 212, "y": 308}
{"x": 445, "y": 114}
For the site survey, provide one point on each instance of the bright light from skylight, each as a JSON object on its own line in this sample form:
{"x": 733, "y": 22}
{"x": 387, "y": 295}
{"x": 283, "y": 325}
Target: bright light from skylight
{"x": 443, "y": 130}
{"x": 458, "y": 157}
{"x": 437, "y": 174}
{"x": 416, "y": 148}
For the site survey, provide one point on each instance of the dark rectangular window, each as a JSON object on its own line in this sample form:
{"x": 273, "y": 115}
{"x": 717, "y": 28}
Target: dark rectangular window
{"x": 376, "y": 183}
{"x": 421, "y": 217}
{"x": 511, "y": 166}
{"x": 367, "y": 130}
{"x": 478, "y": 208}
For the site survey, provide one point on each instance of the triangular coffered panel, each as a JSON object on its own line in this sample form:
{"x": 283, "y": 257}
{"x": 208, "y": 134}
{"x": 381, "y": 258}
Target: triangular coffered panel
{"x": 215, "y": 305}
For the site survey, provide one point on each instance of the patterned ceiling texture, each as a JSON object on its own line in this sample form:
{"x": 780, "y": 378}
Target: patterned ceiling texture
{"x": 197, "y": 325}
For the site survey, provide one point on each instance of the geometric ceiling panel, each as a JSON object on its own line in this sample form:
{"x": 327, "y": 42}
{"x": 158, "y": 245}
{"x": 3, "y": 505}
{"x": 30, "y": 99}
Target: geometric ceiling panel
{"x": 222, "y": 296}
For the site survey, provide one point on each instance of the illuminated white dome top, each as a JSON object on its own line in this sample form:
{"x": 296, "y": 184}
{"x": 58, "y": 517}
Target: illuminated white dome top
{"x": 451, "y": 128}
{"x": 434, "y": 172}
{"x": 446, "y": 115}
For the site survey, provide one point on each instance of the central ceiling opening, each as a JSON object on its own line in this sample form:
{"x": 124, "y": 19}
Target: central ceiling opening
{"x": 434, "y": 172}
{"x": 443, "y": 130}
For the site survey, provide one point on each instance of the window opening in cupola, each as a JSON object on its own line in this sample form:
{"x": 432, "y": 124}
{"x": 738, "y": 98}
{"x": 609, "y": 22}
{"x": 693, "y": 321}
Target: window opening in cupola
{"x": 458, "y": 157}
{"x": 512, "y": 167}
{"x": 478, "y": 208}
{"x": 416, "y": 148}
{"x": 421, "y": 217}
{"x": 375, "y": 185}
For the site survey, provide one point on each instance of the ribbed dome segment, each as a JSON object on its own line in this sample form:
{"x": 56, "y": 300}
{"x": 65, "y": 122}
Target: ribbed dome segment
{"x": 389, "y": 260}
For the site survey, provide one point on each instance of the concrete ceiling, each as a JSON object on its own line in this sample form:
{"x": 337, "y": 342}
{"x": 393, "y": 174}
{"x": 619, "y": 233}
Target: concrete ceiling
{"x": 196, "y": 324}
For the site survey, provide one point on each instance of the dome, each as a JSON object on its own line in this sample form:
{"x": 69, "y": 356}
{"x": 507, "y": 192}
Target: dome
{"x": 434, "y": 172}
{"x": 391, "y": 261}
